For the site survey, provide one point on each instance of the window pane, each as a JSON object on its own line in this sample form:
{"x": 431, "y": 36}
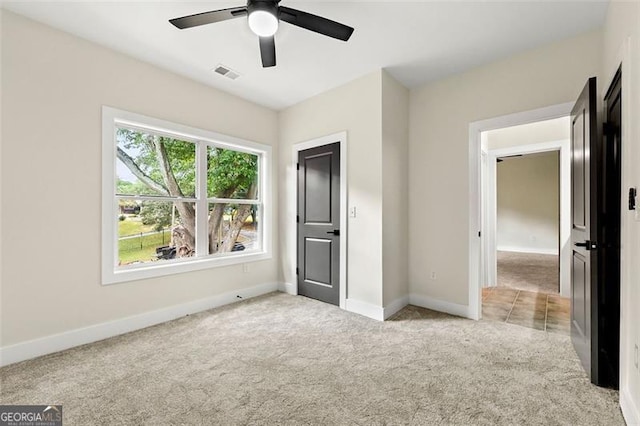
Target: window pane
{"x": 233, "y": 227}
{"x": 231, "y": 174}
{"x": 149, "y": 164}
{"x": 150, "y": 231}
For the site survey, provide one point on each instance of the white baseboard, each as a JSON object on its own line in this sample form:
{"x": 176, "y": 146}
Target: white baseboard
{"x": 630, "y": 411}
{"x": 364, "y": 308}
{"x": 395, "y": 306}
{"x": 440, "y": 305}
{"x": 69, "y": 339}
{"x": 530, "y": 250}
{"x": 288, "y": 288}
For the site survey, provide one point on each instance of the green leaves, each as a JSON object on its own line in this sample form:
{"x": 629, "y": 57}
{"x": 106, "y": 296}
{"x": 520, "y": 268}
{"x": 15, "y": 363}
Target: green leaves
{"x": 156, "y": 213}
{"x": 142, "y": 148}
{"x": 131, "y": 188}
{"x": 230, "y": 173}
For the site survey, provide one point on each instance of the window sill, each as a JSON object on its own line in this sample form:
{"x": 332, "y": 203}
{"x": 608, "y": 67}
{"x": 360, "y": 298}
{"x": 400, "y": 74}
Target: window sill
{"x": 170, "y": 268}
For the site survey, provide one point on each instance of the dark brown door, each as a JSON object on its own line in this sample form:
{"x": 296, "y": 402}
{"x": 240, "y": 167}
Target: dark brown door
{"x": 609, "y": 238}
{"x": 319, "y": 223}
{"x": 584, "y": 152}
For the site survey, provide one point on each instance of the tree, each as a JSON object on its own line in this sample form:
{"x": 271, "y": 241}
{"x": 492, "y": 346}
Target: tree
{"x": 157, "y": 214}
{"x": 166, "y": 167}
{"x": 230, "y": 174}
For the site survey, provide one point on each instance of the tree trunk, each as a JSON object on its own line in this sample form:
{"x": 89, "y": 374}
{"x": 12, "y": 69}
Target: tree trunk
{"x": 215, "y": 222}
{"x": 188, "y": 231}
{"x": 244, "y": 210}
{"x": 186, "y": 236}
{"x": 182, "y": 241}
{"x": 216, "y": 216}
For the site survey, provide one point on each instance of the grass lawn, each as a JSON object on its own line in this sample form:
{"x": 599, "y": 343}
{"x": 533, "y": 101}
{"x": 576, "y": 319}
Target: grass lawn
{"x": 129, "y": 249}
{"x": 132, "y": 225}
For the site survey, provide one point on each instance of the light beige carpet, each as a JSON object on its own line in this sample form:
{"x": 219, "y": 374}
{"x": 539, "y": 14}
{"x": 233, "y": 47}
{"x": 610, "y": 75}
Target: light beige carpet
{"x": 527, "y": 271}
{"x": 280, "y": 359}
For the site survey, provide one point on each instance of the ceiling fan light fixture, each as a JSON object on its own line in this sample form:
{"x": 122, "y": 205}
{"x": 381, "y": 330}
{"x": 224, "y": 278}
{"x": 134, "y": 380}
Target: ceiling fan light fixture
{"x": 263, "y": 23}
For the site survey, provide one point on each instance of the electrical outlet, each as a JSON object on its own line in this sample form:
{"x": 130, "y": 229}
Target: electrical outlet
{"x": 635, "y": 356}
{"x": 352, "y": 212}
{"x": 245, "y": 267}
{"x": 433, "y": 275}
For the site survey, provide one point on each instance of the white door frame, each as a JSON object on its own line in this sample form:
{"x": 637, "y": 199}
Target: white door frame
{"x": 475, "y": 131}
{"x": 293, "y": 207}
{"x": 563, "y": 147}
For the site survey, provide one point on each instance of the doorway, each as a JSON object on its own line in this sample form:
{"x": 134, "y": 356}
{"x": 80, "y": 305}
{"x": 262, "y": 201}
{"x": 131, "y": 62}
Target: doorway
{"x": 478, "y": 194}
{"x": 318, "y": 220}
{"x": 338, "y": 242}
{"x": 596, "y": 158}
{"x": 525, "y": 209}
{"x": 528, "y": 222}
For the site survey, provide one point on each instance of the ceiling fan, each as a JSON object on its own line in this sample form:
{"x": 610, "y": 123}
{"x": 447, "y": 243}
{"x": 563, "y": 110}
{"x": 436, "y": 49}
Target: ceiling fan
{"x": 264, "y": 17}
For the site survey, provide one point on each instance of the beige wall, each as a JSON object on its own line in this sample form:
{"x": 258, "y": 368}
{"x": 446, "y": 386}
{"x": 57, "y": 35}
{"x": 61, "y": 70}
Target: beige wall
{"x": 356, "y": 108}
{"x": 395, "y": 188}
{"x": 373, "y": 110}
{"x": 53, "y": 88}
{"x": 528, "y": 204}
{"x": 530, "y": 134}
{"x": 440, "y": 114}
{"x": 623, "y": 22}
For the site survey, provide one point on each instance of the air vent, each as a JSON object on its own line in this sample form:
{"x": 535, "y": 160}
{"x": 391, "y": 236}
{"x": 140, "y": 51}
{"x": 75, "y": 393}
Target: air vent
{"x": 226, "y": 71}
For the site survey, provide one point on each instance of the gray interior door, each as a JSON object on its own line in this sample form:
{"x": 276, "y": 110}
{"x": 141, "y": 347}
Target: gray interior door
{"x": 584, "y": 153}
{"x": 319, "y": 223}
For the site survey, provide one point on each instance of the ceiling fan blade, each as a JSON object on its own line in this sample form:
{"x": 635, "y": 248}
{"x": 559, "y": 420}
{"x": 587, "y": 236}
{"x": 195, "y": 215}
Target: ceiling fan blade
{"x": 268, "y": 51}
{"x": 208, "y": 17}
{"x": 315, "y": 23}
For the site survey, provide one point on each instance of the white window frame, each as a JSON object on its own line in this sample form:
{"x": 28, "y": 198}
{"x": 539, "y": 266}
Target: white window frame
{"x": 113, "y": 118}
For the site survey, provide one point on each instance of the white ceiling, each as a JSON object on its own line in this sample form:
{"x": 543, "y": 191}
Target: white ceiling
{"x": 417, "y": 41}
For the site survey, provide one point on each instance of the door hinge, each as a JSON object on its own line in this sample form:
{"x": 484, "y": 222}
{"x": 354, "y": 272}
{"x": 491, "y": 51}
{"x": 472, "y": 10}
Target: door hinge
{"x": 297, "y": 271}
{"x": 297, "y": 166}
{"x": 297, "y": 218}
{"x": 479, "y": 233}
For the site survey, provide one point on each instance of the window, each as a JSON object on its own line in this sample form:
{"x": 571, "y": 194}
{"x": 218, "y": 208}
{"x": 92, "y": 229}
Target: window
{"x": 178, "y": 199}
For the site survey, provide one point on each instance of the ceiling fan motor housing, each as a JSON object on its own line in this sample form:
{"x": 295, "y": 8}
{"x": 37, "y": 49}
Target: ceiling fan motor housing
{"x": 269, "y": 6}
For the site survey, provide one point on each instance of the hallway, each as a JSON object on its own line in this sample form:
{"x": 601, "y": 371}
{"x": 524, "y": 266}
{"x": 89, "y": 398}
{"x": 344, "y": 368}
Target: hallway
{"x": 528, "y": 271}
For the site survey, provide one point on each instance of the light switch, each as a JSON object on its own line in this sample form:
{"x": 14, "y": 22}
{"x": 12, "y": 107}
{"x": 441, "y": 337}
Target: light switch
{"x": 633, "y": 205}
{"x": 352, "y": 212}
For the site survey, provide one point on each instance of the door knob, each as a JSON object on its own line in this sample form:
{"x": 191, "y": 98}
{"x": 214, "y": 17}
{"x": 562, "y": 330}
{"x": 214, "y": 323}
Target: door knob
{"x": 334, "y": 232}
{"x": 589, "y": 245}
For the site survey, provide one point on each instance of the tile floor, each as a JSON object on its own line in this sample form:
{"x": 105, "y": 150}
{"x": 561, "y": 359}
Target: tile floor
{"x": 547, "y": 312}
